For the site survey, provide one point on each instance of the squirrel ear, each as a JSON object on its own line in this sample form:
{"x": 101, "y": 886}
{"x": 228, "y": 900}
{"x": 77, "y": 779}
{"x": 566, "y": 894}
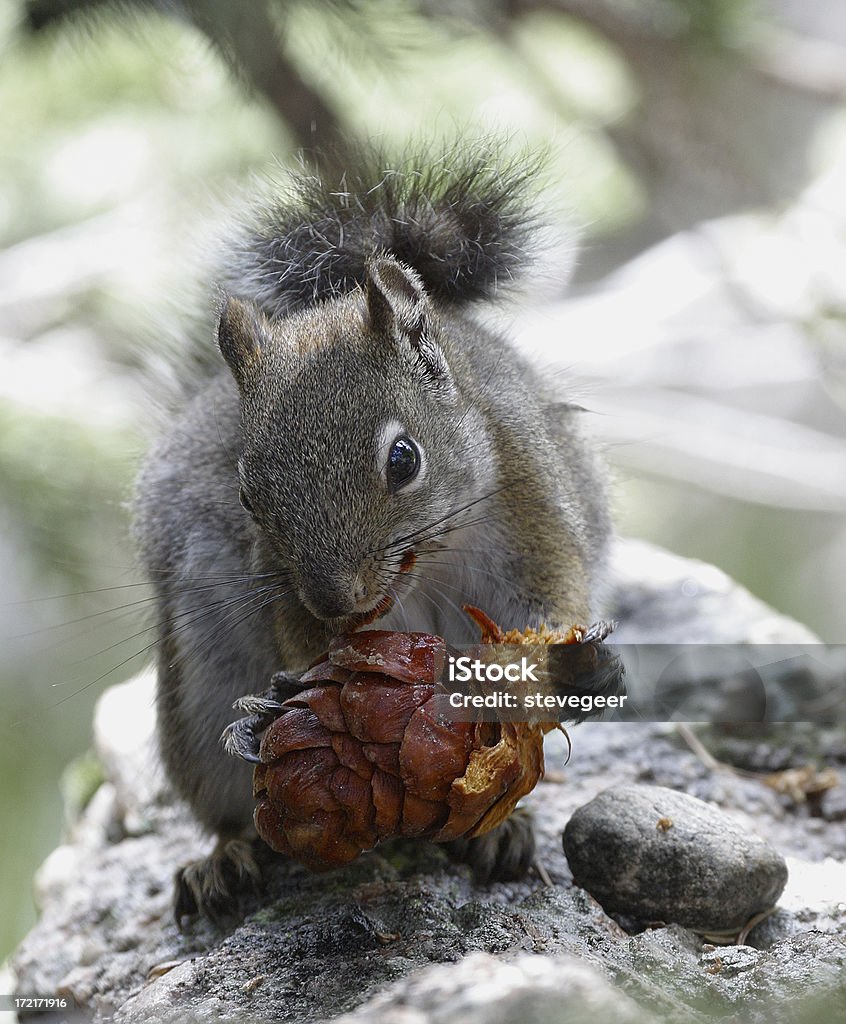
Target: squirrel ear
{"x": 396, "y": 299}
{"x": 240, "y": 335}
{"x": 398, "y": 308}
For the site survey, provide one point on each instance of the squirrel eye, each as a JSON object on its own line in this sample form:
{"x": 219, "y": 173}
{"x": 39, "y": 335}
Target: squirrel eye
{"x": 245, "y": 501}
{"x": 403, "y": 463}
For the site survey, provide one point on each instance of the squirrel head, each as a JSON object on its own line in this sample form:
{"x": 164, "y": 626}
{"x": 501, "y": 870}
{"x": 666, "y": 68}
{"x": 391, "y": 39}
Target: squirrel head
{"x": 359, "y": 447}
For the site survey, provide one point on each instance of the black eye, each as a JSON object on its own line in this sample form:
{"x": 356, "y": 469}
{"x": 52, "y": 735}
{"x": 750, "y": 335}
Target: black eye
{"x": 403, "y": 463}
{"x": 245, "y": 501}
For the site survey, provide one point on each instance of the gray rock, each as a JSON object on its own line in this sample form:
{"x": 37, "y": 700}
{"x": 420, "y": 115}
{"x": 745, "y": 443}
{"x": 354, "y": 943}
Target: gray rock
{"x": 484, "y": 990}
{"x": 661, "y": 598}
{"x": 659, "y": 856}
{"x": 311, "y": 948}
{"x": 834, "y": 803}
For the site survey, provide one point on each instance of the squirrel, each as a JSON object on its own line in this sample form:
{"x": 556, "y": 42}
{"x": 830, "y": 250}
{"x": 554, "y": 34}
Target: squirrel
{"x": 366, "y": 451}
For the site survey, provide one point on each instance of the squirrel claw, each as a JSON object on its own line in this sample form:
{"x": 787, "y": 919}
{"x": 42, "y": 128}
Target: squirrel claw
{"x": 241, "y": 738}
{"x": 598, "y": 632}
{"x": 257, "y": 704}
{"x": 210, "y": 887}
{"x": 283, "y": 685}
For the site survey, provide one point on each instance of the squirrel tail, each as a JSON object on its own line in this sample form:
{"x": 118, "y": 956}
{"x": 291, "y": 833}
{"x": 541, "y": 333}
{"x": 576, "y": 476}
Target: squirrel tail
{"x": 462, "y": 219}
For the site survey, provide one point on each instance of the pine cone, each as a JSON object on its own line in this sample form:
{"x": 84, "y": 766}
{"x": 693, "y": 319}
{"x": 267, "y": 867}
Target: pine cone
{"x": 365, "y": 753}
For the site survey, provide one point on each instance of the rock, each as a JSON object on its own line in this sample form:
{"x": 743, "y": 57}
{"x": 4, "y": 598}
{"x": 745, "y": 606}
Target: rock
{"x": 818, "y": 959}
{"x": 657, "y": 855}
{"x": 124, "y": 740}
{"x": 484, "y": 990}
{"x": 660, "y": 598}
{"x": 834, "y": 803}
{"x": 404, "y": 923}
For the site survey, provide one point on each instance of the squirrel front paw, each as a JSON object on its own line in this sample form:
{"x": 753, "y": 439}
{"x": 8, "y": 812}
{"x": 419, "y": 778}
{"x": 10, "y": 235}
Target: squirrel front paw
{"x": 504, "y": 854}
{"x": 242, "y": 738}
{"x": 212, "y": 886}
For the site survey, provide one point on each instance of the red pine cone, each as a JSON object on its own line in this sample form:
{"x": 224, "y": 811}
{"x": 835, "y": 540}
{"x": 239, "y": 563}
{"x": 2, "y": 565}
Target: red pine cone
{"x": 365, "y": 754}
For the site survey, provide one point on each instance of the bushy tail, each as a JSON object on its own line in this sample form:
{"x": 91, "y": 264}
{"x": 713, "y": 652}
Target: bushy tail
{"x": 463, "y": 220}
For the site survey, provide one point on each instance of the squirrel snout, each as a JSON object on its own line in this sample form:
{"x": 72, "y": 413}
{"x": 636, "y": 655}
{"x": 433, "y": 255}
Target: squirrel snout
{"x": 328, "y": 603}
{"x": 336, "y": 600}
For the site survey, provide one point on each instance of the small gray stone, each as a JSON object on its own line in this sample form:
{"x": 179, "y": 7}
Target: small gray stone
{"x": 658, "y": 855}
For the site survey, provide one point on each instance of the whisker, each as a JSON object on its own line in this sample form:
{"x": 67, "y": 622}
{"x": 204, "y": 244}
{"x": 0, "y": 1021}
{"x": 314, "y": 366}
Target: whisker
{"x": 397, "y": 597}
{"x": 226, "y": 577}
{"x": 197, "y": 614}
{"x": 425, "y": 559}
{"x": 458, "y": 526}
{"x": 114, "y": 668}
{"x": 443, "y": 596}
{"x": 252, "y": 605}
{"x": 247, "y": 601}
{"x": 414, "y": 537}
{"x": 123, "y": 609}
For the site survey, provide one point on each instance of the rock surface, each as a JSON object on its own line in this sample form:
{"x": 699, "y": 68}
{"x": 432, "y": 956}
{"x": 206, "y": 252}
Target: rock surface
{"x": 657, "y": 855}
{"x": 363, "y": 940}
{"x": 481, "y": 989}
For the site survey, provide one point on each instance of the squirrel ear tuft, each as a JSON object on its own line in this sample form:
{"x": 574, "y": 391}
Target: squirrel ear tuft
{"x": 396, "y": 299}
{"x": 398, "y": 308}
{"x": 241, "y": 334}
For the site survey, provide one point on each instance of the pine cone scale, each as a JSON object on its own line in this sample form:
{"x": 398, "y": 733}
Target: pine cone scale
{"x": 434, "y": 752}
{"x": 395, "y": 703}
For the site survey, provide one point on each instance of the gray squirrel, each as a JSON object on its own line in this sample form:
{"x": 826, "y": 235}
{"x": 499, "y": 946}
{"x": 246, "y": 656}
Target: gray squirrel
{"x": 369, "y": 452}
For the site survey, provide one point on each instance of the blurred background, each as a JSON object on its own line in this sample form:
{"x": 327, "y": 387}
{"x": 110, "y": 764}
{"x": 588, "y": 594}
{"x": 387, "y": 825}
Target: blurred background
{"x": 698, "y": 145}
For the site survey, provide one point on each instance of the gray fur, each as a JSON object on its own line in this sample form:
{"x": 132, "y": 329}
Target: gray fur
{"x": 294, "y": 425}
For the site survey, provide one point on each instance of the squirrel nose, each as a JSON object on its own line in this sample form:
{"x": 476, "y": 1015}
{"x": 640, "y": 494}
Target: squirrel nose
{"x": 333, "y": 599}
{"x": 328, "y": 603}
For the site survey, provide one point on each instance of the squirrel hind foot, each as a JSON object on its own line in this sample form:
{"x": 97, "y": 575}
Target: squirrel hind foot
{"x": 212, "y": 886}
{"x": 504, "y": 854}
